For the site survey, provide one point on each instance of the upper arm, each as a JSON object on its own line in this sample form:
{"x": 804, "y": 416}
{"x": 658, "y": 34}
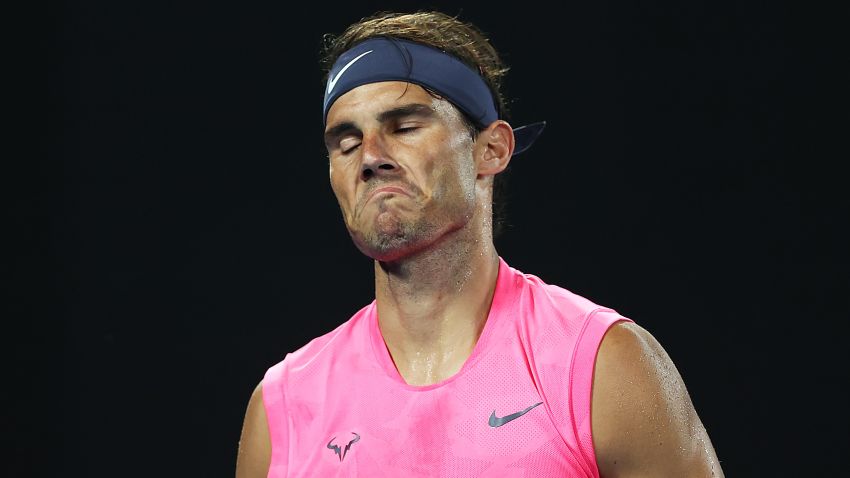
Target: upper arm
{"x": 254, "y": 454}
{"x": 643, "y": 421}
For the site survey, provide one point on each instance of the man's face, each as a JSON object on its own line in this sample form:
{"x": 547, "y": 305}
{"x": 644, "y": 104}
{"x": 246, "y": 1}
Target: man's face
{"x": 401, "y": 167}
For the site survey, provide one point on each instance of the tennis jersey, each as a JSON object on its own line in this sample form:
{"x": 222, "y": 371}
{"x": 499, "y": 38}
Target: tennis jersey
{"x": 518, "y": 407}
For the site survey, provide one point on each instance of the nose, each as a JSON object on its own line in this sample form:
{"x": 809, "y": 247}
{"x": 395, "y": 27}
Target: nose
{"x": 376, "y": 160}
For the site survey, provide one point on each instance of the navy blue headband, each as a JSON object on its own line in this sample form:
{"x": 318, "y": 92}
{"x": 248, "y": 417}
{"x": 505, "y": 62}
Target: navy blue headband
{"x": 390, "y": 59}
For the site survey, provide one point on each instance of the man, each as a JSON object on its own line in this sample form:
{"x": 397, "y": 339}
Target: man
{"x": 462, "y": 366}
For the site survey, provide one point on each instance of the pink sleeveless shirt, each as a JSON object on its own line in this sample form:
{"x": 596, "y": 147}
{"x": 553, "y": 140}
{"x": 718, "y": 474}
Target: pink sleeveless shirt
{"x": 519, "y": 406}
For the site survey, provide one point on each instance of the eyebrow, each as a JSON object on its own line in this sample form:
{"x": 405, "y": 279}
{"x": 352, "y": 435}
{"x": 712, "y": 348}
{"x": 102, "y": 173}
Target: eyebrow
{"x": 412, "y": 109}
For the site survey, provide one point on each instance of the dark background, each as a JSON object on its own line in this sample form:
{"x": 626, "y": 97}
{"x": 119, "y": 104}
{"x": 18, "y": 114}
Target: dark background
{"x": 183, "y": 237}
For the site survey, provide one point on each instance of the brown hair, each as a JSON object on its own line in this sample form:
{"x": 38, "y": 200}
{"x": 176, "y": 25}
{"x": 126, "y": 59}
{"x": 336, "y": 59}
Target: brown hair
{"x": 463, "y": 40}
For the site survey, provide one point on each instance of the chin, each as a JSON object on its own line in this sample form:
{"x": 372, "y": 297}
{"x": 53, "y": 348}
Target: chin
{"x": 389, "y": 244}
{"x": 384, "y": 247}
{"x": 389, "y": 237}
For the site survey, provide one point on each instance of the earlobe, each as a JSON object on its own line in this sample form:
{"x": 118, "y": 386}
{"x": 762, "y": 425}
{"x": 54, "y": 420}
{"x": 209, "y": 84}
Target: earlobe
{"x": 497, "y": 142}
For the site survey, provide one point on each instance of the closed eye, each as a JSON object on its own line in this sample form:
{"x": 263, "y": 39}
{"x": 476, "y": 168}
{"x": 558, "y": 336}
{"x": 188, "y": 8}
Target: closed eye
{"x": 346, "y": 151}
{"x": 349, "y": 144}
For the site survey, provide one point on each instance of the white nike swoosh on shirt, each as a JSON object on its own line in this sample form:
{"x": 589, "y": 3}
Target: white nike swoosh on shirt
{"x": 332, "y": 81}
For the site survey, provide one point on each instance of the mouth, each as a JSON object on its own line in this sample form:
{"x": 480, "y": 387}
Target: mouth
{"x": 387, "y": 190}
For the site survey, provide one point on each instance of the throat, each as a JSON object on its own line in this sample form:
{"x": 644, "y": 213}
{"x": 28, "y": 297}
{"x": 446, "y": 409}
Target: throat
{"x": 430, "y": 370}
{"x": 433, "y": 305}
{"x": 430, "y": 331}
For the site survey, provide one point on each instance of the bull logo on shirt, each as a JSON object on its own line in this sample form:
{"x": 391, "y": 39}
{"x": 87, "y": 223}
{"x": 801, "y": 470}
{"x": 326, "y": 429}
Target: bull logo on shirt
{"x": 343, "y": 452}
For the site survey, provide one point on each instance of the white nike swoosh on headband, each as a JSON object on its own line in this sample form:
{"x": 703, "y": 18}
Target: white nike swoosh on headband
{"x": 332, "y": 81}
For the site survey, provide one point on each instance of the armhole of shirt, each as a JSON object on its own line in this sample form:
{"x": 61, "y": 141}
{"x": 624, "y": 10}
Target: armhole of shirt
{"x": 274, "y": 402}
{"x": 581, "y": 379}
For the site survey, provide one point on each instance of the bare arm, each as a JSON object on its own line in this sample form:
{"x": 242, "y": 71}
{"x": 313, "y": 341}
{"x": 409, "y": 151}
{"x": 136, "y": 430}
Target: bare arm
{"x": 254, "y": 445}
{"x": 644, "y": 424}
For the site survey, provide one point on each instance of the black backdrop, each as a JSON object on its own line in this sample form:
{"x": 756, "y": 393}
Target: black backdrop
{"x": 185, "y": 236}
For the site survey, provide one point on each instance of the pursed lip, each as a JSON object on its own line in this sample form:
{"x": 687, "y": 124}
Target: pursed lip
{"x": 387, "y": 189}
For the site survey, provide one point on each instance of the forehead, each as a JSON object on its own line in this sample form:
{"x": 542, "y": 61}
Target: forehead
{"x": 367, "y": 101}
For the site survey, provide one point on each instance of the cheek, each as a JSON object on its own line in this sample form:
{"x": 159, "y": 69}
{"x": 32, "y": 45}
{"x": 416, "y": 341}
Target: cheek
{"x": 466, "y": 175}
{"x": 462, "y": 151}
{"x": 452, "y": 168}
{"x": 338, "y": 187}
{"x": 455, "y": 181}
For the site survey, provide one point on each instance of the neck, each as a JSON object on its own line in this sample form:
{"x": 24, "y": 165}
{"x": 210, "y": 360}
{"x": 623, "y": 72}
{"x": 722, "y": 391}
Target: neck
{"x": 432, "y": 306}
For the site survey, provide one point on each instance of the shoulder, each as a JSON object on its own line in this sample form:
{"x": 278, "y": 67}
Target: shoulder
{"x": 536, "y": 297}
{"x": 348, "y": 336}
{"x": 254, "y": 444}
{"x": 643, "y": 421}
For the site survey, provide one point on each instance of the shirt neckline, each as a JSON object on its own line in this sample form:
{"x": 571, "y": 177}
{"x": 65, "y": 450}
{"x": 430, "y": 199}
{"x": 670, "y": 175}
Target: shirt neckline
{"x": 502, "y": 299}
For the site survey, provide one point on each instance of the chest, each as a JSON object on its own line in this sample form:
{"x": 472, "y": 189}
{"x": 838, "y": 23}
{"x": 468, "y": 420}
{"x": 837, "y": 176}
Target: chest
{"x": 492, "y": 421}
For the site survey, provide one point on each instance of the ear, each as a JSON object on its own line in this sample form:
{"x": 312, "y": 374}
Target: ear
{"x": 494, "y": 148}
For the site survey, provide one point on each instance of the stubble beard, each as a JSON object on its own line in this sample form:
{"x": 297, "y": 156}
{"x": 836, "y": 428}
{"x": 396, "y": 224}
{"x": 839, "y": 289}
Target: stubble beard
{"x": 393, "y": 234}
{"x": 392, "y": 237}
